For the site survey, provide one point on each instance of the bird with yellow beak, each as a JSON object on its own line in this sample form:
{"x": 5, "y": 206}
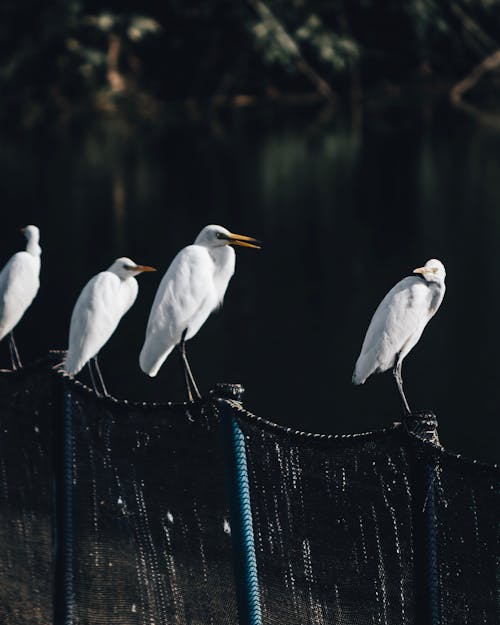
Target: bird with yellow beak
{"x": 193, "y": 286}
{"x": 398, "y": 323}
{"x": 104, "y": 300}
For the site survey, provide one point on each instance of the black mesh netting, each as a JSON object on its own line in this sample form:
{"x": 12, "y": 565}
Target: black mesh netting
{"x": 26, "y": 470}
{"x": 334, "y": 532}
{"x": 376, "y": 529}
{"x": 468, "y": 541}
{"x": 151, "y": 542}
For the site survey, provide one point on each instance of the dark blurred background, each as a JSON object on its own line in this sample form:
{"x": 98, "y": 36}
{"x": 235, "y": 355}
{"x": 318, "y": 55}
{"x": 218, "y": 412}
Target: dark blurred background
{"x": 357, "y": 139}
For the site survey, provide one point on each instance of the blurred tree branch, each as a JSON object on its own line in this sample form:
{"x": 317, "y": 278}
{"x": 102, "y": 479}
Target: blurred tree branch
{"x": 488, "y": 64}
{"x": 60, "y": 59}
{"x": 473, "y": 28}
{"x": 289, "y": 45}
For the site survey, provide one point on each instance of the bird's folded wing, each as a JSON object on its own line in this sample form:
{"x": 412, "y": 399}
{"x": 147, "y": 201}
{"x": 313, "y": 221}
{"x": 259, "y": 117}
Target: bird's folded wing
{"x": 183, "y": 291}
{"x": 402, "y": 313}
{"x": 18, "y": 284}
{"x": 95, "y": 317}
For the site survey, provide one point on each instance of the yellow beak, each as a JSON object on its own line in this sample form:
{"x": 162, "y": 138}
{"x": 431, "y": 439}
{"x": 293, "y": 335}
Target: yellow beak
{"x": 421, "y": 270}
{"x": 142, "y": 268}
{"x": 243, "y": 241}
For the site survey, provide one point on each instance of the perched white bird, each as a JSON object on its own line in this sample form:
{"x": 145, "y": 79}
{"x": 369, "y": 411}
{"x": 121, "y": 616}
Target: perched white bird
{"x": 192, "y": 288}
{"x": 19, "y": 283}
{"x": 398, "y": 323}
{"x": 97, "y": 312}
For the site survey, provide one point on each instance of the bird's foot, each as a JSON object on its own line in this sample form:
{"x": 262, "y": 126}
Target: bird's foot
{"x": 423, "y": 423}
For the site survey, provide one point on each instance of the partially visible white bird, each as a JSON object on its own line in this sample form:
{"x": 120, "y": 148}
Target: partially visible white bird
{"x": 19, "y": 283}
{"x": 398, "y": 323}
{"x": 97, "y": 312}
{"x": 191, "y": 289}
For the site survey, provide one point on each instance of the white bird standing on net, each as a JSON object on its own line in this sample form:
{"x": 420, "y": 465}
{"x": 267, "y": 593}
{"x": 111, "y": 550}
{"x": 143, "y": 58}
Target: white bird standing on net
{"x": 19, "y": 283}
{"x": 102, "y": 303}
{"x": 398, "y": 323}
{"x": 191, "y": 289}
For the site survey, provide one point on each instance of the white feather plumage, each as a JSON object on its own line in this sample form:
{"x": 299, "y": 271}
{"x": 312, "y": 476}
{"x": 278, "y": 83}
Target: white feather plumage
{"x": 19, "y": 282}
{"x": 98, "y": 310}
{"x": 399, "y": 321}
{"x": 191, "y": 289}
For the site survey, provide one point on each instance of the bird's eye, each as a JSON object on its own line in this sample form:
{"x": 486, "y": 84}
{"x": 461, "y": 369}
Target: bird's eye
{"x": 218, "y": 235}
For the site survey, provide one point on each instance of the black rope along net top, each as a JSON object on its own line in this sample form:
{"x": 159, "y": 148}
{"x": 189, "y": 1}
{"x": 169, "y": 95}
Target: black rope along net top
{"x": 371, "y": 529}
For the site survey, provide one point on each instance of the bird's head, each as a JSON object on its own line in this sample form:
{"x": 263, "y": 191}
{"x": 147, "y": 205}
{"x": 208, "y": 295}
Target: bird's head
{"x": 217, "y": 236}
{"x": 125, "y": 268}
{"x": 432, "y": 271}
{"x": 32, "y": 233}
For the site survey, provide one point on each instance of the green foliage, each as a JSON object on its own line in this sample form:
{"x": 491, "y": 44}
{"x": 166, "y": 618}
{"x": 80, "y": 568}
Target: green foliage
{"x": 337, "y": 50}
{"x": 61, "y": 58}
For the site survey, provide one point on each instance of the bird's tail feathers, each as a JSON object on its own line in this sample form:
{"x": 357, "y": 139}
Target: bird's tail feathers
{"x": 151, "y": 361}
{"x": 357, "y": 378}
{"x": 365, "y": 366}
{"x": 70, "y": 367}
{"x": 74, "y": 362}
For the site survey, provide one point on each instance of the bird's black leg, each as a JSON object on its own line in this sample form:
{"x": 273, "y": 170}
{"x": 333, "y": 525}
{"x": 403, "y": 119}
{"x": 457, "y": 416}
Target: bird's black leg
{"x": 14, "y": 354}
{"x": 91, "y": 372}
{"x": 12, "y": 357}
{"x": 182, "y": 354}
{"x": 396, "y": 371}
{"x": 194, "y": 386}
{"x": 99, "y": 376}
{"x": 193, "y": 391}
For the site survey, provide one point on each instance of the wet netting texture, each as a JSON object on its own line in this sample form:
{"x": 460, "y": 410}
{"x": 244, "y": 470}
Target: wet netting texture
{"x": 124, "y": 518}
{"x": 26, "y": 481}
{"x": 151, "y": 529}
{"x": 372, "y": 529}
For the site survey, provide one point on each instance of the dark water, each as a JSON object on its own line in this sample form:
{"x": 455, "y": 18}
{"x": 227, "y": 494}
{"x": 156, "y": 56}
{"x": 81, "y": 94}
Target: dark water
{"x": 344, "y": 214}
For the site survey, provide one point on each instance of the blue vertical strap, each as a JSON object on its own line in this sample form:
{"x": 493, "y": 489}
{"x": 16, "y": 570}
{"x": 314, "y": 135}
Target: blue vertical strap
{"x": 432, "y": 543}
{"x": 67, "y": 511}
{"x": 245, "y": 563}
{"x": 424, "y": 473}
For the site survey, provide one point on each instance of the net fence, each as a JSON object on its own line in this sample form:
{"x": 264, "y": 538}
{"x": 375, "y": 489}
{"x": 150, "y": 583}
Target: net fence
{"x": 119, "y": 513}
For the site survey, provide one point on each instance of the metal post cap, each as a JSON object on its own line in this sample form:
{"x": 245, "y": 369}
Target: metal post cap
{"x": 423, "y": 423}
{"x": 224, "y": 390}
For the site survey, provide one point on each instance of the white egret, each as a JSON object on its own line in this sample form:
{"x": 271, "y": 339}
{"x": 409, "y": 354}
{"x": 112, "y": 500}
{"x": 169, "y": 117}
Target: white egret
{"x": 19, "y": 283}
{"x": 398, "y": 323}
{"x": 97, "y": 312}
{"x": 191, "y": 289}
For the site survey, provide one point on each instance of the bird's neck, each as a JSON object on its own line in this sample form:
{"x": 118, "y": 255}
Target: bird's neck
{"x": 222, "y": 254}
{"x": 33, "y": 248}
{"x": 121, "y": 276}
